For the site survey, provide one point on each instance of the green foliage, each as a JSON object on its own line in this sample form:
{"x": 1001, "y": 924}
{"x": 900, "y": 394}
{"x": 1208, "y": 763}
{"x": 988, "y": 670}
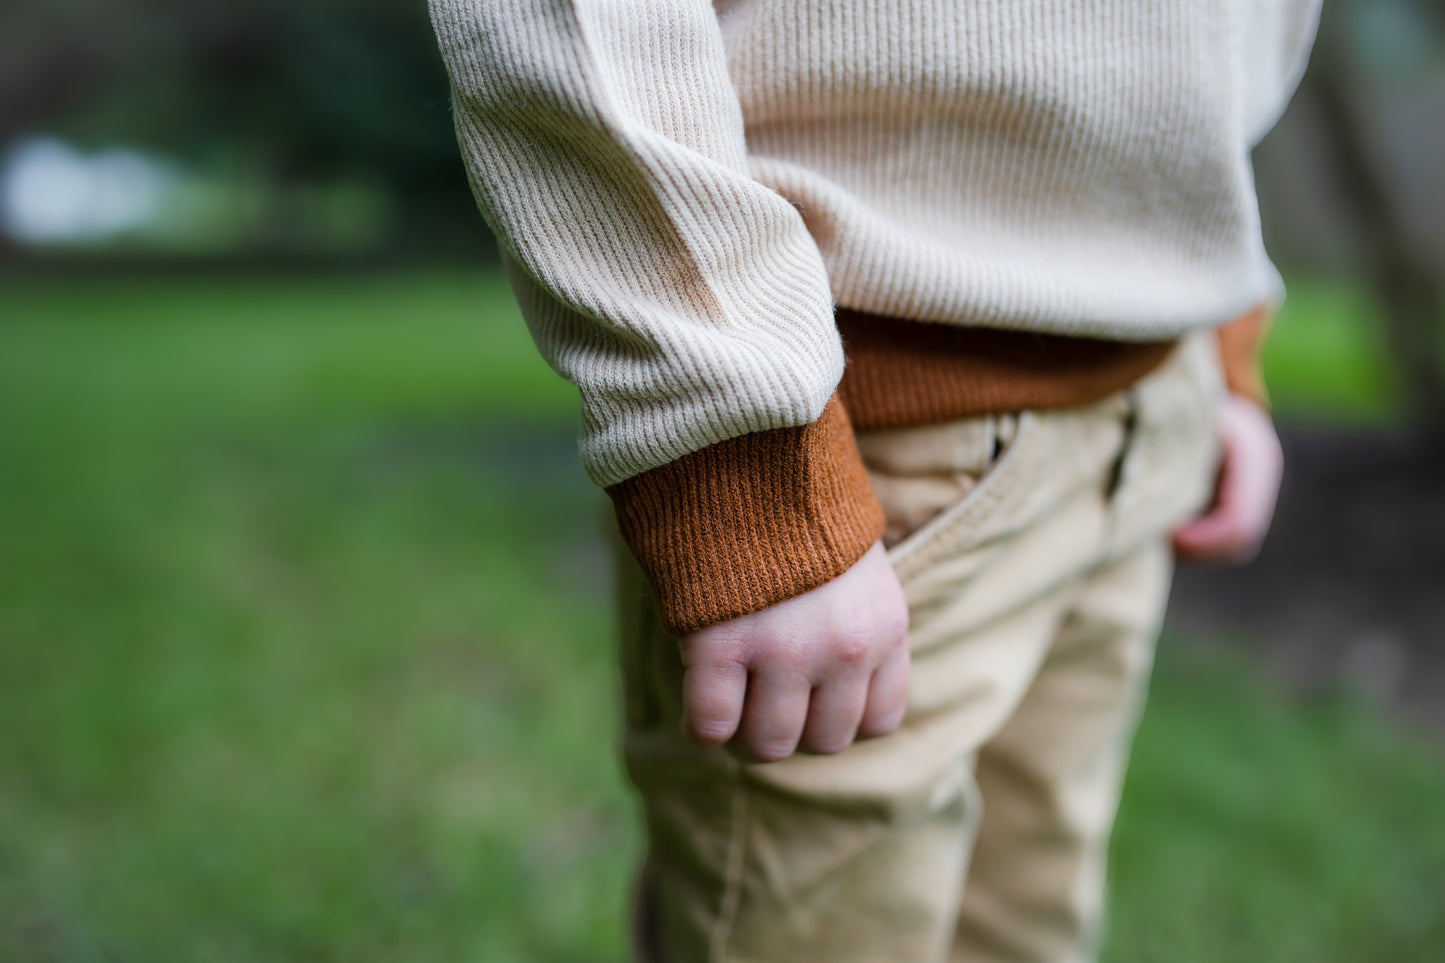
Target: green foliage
{"x": 282, "y": 673}
{"x": 331, "y": 86}
{"x": 292, "y": 96}
{"x": 305, "y": 655}
{"x": 1325, "y": 358}
{"x": 1257, "y": 827}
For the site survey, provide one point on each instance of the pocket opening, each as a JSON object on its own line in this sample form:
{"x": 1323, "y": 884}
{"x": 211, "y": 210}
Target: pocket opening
{"x": 1007, "y": 432}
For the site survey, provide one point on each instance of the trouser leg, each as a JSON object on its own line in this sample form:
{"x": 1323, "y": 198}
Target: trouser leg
{"x": 1051, "y": 776}
{"x": 855, "y": 857}
{"x": 862, "y": 856}
{"x": 1017, "y": 593}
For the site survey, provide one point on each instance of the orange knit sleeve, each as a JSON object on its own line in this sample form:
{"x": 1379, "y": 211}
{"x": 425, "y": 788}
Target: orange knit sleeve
{"x": 1240, "y": 342}
{"x": 751, "y": 521}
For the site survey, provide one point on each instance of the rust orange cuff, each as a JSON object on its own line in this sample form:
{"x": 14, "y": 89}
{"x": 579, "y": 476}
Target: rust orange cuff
{"x": 903, "y": 373}
{"x": 1240, "y": 343}
{"x": 751, "y": 521}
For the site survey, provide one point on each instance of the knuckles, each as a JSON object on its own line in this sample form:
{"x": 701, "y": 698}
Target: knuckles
{"x": 769, "y": 751}
{"x": 865, "y": 638}
{"x": 895, "y": 629}
{"x": 852, "y": 648}
{"x": 885, "y": 726}
{"x": 830, "y": 748}
{"x": 716, "y": 651}
{"x": 710, "y": 733}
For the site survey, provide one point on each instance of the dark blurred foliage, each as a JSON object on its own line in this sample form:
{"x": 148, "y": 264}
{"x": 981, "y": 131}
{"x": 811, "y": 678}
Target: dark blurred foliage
{"x": 1379, "y": 84}
{"x": 304, "y": 91}
{"x": 1351, "y": 181}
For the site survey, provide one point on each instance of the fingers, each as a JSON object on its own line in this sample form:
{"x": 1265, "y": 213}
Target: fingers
{"x": 1221, "y": 534}
{"x": 834, "y": 713}
{"x": 774, "y": 717}
{"x": 712, "y": 699}
{"x": 1245, "y": 492}
{"x": 769, "y": 716}
{"x": 887, "y": 695}
{"x": 811, "y": 670}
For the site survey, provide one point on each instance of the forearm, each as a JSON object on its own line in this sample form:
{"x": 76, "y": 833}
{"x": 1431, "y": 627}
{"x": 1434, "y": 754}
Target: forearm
{"x": 604, "y": 143}
{"x": 686, "y": 301}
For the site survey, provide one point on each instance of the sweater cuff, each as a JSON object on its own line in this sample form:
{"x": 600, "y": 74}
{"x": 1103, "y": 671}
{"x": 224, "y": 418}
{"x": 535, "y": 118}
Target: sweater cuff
{"x": 1240, "y": 342}
{"x": 751, "y": 521}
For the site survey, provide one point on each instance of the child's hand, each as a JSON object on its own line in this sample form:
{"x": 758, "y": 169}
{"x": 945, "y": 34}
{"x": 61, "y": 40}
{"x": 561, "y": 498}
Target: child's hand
{"x": 816, "y": 671}
{"x": 1249, "y": 475}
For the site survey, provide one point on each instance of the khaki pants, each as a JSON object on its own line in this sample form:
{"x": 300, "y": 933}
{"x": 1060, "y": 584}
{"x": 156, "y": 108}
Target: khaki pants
{"x": 1033, "y": 550}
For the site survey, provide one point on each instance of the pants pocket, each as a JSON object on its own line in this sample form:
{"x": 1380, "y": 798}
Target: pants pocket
{"x": 925, "y": 476}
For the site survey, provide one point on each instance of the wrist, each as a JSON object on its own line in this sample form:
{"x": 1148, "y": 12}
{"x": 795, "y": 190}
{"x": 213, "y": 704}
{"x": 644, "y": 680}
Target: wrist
{"x": 750, "y": 522}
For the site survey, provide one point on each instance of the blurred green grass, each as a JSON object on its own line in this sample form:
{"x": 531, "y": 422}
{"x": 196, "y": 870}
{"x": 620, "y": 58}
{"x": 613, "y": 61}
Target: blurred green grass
{"x": 1325, "y": 358}
{"x": 305, "y": 655}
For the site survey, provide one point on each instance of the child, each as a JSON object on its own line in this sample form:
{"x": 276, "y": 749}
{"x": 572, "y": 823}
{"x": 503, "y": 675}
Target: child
{"x": 899, "y": 330}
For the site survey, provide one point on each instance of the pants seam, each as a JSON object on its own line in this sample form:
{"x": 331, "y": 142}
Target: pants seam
{"x": 736, "y": 864}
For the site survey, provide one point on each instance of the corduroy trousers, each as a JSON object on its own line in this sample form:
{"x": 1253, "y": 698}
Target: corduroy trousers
{"x": 1033, "y": 550}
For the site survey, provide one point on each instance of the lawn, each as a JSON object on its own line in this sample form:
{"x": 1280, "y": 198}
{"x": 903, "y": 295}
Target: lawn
{"x": 305, "y": 656}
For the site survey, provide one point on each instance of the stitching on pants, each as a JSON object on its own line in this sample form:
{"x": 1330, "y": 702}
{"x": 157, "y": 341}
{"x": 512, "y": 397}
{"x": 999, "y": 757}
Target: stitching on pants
{"x": 733, "y": 882}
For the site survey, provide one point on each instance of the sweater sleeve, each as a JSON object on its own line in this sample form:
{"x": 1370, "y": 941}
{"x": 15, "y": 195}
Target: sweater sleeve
{"x": 1274, "y": 46}
{"x": 751, "y": 521}
{"x": 1241, "y": 343}
{"x": 686, "y": 300}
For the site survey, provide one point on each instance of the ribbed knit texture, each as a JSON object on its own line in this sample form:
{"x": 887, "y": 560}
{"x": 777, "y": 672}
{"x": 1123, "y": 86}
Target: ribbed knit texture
{"x": 684, "y": 188}
{"x": 742, "y": 524}
{"x": 901, "y": 373}
{"x": 746, "y": 523}
{"x": 1240, "y": 342}
{"x": 605, "y": 145}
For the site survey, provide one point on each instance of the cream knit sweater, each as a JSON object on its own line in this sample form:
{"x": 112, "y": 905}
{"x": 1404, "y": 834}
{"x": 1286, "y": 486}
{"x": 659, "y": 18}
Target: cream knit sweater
{"x": 685, "y": 189}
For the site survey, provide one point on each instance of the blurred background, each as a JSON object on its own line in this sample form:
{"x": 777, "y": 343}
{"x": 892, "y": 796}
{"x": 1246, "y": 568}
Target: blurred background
{"x": 304, "y": 640}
